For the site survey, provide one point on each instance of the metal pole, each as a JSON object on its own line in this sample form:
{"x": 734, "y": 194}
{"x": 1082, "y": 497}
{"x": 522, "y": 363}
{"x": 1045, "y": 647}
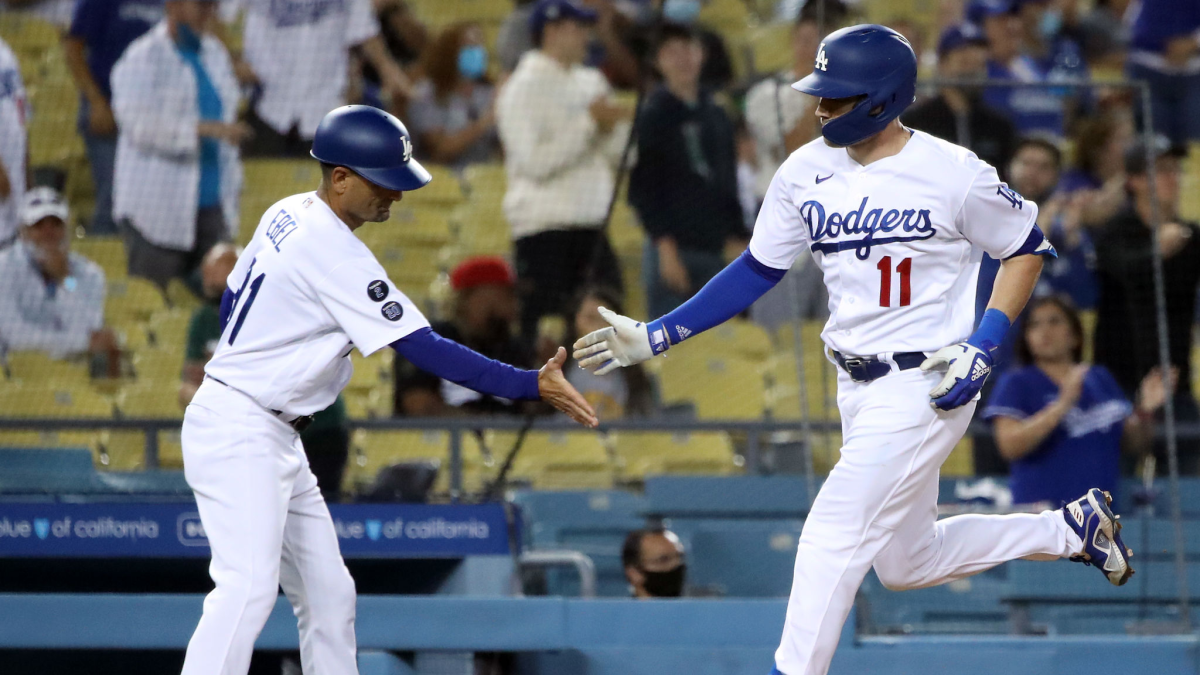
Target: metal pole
{"x": 151, "y": 448}
{"x": 455, "y": 464}
{"x": 1164, "y": 361}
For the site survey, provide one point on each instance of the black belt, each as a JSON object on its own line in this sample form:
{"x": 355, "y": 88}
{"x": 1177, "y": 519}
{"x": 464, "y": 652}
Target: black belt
{"x": 299, "y": 422}
{"x": 870, "y": 368}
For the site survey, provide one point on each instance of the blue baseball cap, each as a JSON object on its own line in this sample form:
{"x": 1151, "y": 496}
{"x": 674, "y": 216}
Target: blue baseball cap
{"x": 957, "y": 36}
{"x": 979, "y": 10}
{"x": 557, "y": 10}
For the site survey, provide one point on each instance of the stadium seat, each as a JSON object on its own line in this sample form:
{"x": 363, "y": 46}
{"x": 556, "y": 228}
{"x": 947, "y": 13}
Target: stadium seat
{"x": 161, "y": 367}
{"x": 744, "y": 558}
{"x": 486, "y": 182}
{"x": 50, "y": 438}
{"x": 482, "y": 229}
{"x": 651, "y": 453}
{"x": 771, "y": 48}
{"x": 439, "y": 13}
{"x": 428, "y": 227}
{"x": 557, "y": 460}
{"x": 150, "y": 399}
{"x": 133, "y": 298}
{"x": 444, "y": 190}
{"x": 727, "y": 496}
{"x": 269, "y": 180}
{"x": 47, "y": 471}
{"x": 971, "y": 605}
{"x": 50, "y": 400}
{"x": 168, "y": 329}
{"x": 371, "y": 372}
{"x": 121, "y": 450}
{"x": 181, "y": 298}
{"x": 37, "y": 368}
{"x": 720, "y": 386}
{"x": 369, "y": 404}
{"x": 107, "y": 252}
{"x": 374, "y": 450}
{"x": 742, "y": 338}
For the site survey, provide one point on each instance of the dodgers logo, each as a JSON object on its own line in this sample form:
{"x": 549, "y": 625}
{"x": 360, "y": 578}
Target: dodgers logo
{"x": 833, "y": 232}
{"x": 374, "y": 529}
{"x": 41, "y": 527}
{"x": 407, "y": 148}
{"x": 822, "y": 62}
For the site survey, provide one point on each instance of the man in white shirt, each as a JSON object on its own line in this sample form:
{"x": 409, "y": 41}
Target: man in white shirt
{"x": 178, "y": 175}
{"x": 300, "y": 53}
{"x": 562, "y": 136}
{"x": 13, "y": 147}
{"x": 53, "y": 300}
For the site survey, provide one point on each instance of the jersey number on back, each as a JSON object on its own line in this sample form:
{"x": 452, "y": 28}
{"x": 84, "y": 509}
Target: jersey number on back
{"x": 885, "y": 281}
{"x": 254, "y": 286}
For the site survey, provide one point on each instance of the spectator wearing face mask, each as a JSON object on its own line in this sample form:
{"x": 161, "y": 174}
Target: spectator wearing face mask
{"x": 654, "y": 564}
{"x": 485, "y": 311}
{"x": 452, "y": 113}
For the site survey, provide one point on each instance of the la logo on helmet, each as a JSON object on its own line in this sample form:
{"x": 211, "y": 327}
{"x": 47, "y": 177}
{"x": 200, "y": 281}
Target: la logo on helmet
{"x": 407, "y": 148}
{"x": 822, "y": 61}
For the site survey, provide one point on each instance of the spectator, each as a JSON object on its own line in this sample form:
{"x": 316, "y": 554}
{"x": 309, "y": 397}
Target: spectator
{"x": 57, "y": 12}
{"x": 452, "y": 111}
{"x": 1165, "y": 53}
{"x": 100, "y": 31}
{"x": 627, "y": 394}
{"x": 654, "y": 564}
{"x": 403, "y": 33}
{"x": 485, "y": 309}
{"x": 53, "y": 300}
{"x": 562, "y": 135}
{"x": 1061, "y": 423}
{"x": 959, "y": 115}
{"x": 515, "y": 36}
{"x": 1104, "y": 35}
{"x": 1034, "y": 173}
{"x": 608, "y": 49}
{"x": 326, "y": 441}
{"x": 684, "y": 185}
{"x": 178, "y": 176}
{"x": 14, "y": 150}
{"x": 780, "y": 118}
{"x": 300, "y": 53}
{"x": 1031, "y": 109}
{"x": 1098, "y": 177}
{"x": 1126, "y": 328}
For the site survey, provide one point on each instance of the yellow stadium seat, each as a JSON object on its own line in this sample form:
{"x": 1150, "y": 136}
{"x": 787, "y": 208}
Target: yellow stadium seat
{"x": 558, "y": 460}
{"x": 168, "y": 329}
{"x": 269, "y": 180}
{"x": 720, "y": 387}
{"x": 486, "y": 182}
{"x": 444, "y": 189}
{"x": 650, "y": 453}
{"x": 371, "y": 372}
{"x": 152, "y": 400}
{"x": 107, "y": 252}
{"x": 625, "y": 231}
{"x": 132, "y": 298}
{"x": 820, "y": 376}
{"x": 37, "y": 368}
{"x": 28, "y": 35}
{"x": 121, "y": 450}
{"x": 162, "y": 367}
{"x": 440, "y": 13}
{"x": 369, "y": 404}
{"x": 771, "y": 47}
{"x": 170, "y": 450}
{"x": 50, "y": 400}
{"x": 375, "y": 450}
{"x": 180, "y": 297}
{"x": 482, "y": 229}
{"x": 739, "y": 338}
{"x": 420, "y": 226}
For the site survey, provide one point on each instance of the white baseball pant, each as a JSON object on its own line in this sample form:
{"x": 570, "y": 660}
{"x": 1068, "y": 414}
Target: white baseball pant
{"x": 879, "y": 507}
{"x": 267, "y": 525}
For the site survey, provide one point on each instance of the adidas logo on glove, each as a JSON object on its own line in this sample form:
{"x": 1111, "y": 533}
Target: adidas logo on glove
{"x": 979, "y": 370}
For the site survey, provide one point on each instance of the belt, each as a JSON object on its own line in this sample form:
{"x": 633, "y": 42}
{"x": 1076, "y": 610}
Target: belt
{"x": 870, "y": 368}
{"x": 297, "y": 422}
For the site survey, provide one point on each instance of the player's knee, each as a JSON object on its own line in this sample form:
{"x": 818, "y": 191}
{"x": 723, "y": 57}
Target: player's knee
{"x": 895, "y": 578}
{"x": 256, "y": 591}
{"x": 343, "y": 593}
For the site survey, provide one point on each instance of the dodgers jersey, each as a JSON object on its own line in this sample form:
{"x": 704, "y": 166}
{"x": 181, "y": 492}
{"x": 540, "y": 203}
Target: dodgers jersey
{"x": 307, "y": 292}
{"x": 899, "y": 241}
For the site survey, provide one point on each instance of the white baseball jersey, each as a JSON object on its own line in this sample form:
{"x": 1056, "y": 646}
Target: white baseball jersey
{"x": 899, "y": 241}
{"x": 308, "y": 290}
{"x": 13, "y": 111}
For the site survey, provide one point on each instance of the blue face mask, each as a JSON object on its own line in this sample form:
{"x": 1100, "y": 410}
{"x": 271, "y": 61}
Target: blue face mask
{"x": 472, "y": 62}
{"x": 187, "y": 38}
{"x": 681, "y": 11}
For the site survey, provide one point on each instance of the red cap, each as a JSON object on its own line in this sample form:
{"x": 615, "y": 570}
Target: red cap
{"x": 480, "y": 271}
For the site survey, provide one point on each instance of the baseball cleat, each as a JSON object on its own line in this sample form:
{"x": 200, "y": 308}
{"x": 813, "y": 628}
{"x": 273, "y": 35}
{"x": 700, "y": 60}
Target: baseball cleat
{"x": 1100, "y": 530}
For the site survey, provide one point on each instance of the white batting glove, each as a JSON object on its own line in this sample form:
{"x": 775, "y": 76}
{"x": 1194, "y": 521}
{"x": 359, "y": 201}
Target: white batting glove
{"x": 967, "y": 368}
{"x": 624, "y": 344}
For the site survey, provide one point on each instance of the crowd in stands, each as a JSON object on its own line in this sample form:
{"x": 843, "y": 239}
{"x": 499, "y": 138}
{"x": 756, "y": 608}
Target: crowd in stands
{"x": 573, "y": 97}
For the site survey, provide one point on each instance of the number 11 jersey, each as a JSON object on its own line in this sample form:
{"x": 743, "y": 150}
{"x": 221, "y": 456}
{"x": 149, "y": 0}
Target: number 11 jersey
{"x": 307, "y": 292}
{"x": 899, "y": 241}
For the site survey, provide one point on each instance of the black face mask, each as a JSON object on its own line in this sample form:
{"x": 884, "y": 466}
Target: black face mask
{"x": 668, "y": 584}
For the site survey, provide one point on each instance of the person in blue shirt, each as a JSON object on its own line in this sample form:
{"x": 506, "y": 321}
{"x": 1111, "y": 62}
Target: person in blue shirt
{"x": 1060, "y": 422}
{"x": 99, "y": 33}
{"x": 1164, "y": 51}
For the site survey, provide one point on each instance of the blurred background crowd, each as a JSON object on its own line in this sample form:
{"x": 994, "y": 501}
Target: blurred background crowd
{"x": 585, "y": 153}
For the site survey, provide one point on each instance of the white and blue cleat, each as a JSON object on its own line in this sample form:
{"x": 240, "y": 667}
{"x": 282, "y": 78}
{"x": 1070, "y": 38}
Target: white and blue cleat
{"x": 1100, "y": 530}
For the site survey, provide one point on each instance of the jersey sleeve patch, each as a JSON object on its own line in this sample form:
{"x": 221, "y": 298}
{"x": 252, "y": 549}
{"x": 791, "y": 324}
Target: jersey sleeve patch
{"x": 392, "y": 311}
{"x": 378, "y": 290}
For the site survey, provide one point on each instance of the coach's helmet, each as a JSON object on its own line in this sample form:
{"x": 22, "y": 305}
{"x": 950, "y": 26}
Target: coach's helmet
{"x": 372, "y": 144}
{"x": 874, "y": 62}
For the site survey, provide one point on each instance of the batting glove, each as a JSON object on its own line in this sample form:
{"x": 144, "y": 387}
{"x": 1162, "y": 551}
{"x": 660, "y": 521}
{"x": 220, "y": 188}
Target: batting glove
{"x": 966, "y": 367}
{"x": 625, "y": 343}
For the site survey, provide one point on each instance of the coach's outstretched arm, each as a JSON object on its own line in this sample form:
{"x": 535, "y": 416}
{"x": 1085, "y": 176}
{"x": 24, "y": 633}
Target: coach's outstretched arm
{"x": 628, "y": 342}
{"x": 451, "y": 361}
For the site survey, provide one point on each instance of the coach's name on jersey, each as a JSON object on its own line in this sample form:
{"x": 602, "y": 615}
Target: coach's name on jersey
{"x": 862, "y": 221}
{"x": 282, "y": 225}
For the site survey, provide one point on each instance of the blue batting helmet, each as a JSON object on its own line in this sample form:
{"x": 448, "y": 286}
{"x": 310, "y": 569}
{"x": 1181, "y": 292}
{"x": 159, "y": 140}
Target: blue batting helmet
{"x": 871, "y": 61}
{"x": 372, "y": 144}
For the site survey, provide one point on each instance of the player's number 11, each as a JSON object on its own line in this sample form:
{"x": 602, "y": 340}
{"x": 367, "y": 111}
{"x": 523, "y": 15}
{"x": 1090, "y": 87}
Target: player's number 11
{"x": 904, "y": 269}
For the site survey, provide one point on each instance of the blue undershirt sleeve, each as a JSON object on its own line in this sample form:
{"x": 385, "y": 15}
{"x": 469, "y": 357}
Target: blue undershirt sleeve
{"x": 451, "y": 361}
{"x": 226, "y": 310}
{"x": 728, "y": 294}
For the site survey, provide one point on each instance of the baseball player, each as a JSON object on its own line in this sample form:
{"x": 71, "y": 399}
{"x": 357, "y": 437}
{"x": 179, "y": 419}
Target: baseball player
{"x": 303, "y": 294}
{"x": 897, "y": 220}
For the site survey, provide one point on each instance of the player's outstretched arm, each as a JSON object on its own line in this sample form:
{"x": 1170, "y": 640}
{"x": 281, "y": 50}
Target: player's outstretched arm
{"x": 451, "y": 361}
{"x": 627, "y": 342}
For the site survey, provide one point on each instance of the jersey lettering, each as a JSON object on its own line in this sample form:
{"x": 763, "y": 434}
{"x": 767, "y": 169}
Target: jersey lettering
{"x": 826, "y": 232}
{"x": 254, "y": 286}
{"x": 281, "y": 226}
{"x": 822, "y": 60}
